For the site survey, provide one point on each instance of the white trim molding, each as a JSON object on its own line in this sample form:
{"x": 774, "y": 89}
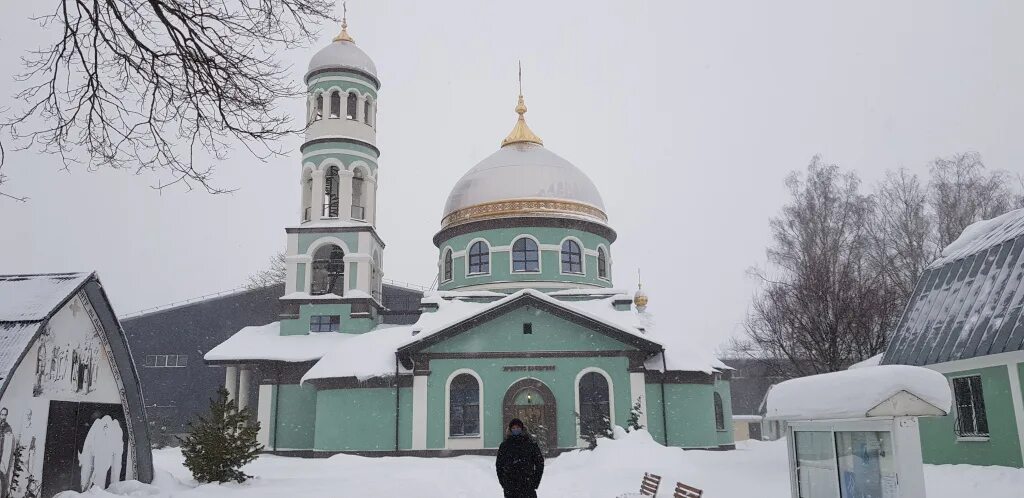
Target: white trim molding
{"x": 419, "y": 412}
{"x": 465, "y": 260}
{"x": 463, "y": 442}
{"x": 583, "y": 257}
{"x": 511, "y": 255}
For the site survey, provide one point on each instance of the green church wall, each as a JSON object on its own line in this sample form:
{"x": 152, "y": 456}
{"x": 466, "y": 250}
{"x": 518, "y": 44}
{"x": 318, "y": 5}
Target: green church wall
{"x": 496, "y": 382}
{"x": 691, "y": 415}
{"x": 306, "y": 239}
{"x": 292, "y": 417}
{"x": 300, "y": 276}
{"x": 500, "y": 261}
{"x": 321, "y": 82}
{"x": 360, "y": 419}
{"x": 550, "y": 333}
{"x": 939, "y": 443}
{"x": 726, "y": 436}
{"x": 349, "y": 325}
{"x": 322, "y": 150}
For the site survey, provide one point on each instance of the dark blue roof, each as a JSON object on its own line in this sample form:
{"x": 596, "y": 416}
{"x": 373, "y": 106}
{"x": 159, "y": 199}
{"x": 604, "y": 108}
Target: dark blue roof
{"x": 968, "y": 303}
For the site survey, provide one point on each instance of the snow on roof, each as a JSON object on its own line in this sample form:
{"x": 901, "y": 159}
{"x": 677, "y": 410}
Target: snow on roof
{"x": 265, "y": 342}
{"x": 983, "y": 235}
{"x": 968, "y": 302}
{"x": 34, "y": 297}
{"x": 590, "y": 292}
{"x": 373, "y": 353}
{"x": 870, "y": 362}
{"x": 14, "y": 339}
{"x": 889, "y": 390}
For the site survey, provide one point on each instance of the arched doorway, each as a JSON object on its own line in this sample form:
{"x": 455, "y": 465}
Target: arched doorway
{"x": 531, "y": 401}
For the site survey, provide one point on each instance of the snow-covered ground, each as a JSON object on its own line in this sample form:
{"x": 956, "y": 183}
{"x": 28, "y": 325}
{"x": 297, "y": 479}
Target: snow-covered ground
{"x": 754, "y": 469}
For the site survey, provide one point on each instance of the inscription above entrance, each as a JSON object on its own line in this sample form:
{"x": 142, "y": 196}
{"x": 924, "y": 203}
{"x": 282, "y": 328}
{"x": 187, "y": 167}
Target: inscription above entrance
{"x": 527, "y": 368}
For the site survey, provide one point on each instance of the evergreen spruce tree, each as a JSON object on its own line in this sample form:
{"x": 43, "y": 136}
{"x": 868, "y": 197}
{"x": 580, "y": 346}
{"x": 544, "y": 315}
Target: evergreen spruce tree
{"x": 633, "y": 424}
{"x": 540, "y": 436}
{"x": 218, "y": 445}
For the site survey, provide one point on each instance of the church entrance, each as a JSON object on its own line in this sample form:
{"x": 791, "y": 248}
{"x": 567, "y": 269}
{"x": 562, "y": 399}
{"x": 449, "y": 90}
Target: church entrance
{"x": 531, "y": 401}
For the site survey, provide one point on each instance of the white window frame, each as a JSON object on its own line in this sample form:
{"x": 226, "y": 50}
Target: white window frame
{"x": 583, "y": 257}
{"x": 540, "y": 256}
{"x": 490, "y": 259}
{"x": 576, "y": 394}
{"x": 463, "y": 442}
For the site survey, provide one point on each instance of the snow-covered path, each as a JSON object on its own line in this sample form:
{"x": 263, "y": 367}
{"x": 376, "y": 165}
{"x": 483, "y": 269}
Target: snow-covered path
{"x": 754, "y": 469}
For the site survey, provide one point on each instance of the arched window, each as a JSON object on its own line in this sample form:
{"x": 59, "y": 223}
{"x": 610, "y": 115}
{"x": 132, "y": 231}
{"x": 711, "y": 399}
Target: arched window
{"x": 572, "y": 258}
{"x": 366, "y": 111}
{"x": 464, "y": 406}
{"x": 602, "y": 263}
{"x": 335, "y": 105}
{"x": 307, "y": 197}
{"x": 525, "y": 256}
{"x": 595, "y": 405}
{"x": 331, "y": 197}
{"x": 479, "y": 258}
{"x": 319, "y": 111}
{"x": 328, "y": 271}
{"x": 719, "y": 413}
{"x": 358, "y": 208}
{"x": 447, "y": 271}
{"x": 351, "y": 108}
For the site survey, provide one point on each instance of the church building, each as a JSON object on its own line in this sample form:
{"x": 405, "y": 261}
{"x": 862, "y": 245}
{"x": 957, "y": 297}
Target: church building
{"x": 525, "y": 322}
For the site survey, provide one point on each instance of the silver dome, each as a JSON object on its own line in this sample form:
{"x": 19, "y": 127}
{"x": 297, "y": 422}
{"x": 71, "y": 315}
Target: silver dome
{"x": 522, "y": 171}
{"x": 342, "y": 54}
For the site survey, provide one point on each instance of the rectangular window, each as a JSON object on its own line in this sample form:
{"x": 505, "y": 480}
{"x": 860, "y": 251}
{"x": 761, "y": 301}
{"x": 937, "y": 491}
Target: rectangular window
{"x": 324, "y": 323}
{"x": 527, "y": 328}
{"x": 150, "y": 360}
{"x": 166, "y": 360}
{"x": 182, "y": 360}
{"x": 971, "y": 420}
{"x": 815, "y": 464}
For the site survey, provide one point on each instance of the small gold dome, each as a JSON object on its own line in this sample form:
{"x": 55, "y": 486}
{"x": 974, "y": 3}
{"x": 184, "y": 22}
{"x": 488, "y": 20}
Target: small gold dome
{"x": 521, "y": 133}
{"x": 344, "y": 36}
{"x": 640, "y": 300}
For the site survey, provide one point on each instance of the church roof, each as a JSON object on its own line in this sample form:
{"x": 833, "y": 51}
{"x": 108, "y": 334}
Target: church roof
{"x": 969, "y": 301}
{"x": 35, "y": 297}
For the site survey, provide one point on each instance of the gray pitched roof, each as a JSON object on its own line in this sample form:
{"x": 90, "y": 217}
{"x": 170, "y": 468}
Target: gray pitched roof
{"x": 33, "y": 297}
{"x": 968, "y": 303}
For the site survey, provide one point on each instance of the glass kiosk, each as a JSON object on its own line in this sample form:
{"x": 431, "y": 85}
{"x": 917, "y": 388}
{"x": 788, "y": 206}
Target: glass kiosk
{"x": 854, "y": 434}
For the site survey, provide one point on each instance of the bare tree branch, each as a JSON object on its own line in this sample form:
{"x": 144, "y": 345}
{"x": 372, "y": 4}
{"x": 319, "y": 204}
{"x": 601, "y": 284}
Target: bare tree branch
{"x": 155, "y": 85}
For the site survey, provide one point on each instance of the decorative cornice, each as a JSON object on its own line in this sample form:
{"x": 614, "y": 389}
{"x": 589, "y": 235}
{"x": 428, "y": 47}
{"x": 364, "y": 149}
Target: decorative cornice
{"x": 522, "y": 207}
{"x": 554, "y": 220}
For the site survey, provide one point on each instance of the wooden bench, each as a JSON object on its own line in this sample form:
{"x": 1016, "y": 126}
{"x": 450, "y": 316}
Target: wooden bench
{"x": 684, "y": 491}
{"x": 649, "y": 484}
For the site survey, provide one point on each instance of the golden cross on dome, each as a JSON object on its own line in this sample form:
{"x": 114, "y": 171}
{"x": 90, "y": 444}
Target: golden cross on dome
{"x": 344, "y": 36}
{"x": 521, "y": 133}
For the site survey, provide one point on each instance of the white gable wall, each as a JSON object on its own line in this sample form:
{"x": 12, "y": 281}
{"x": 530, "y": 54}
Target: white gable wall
{"x": 68, "y": 362}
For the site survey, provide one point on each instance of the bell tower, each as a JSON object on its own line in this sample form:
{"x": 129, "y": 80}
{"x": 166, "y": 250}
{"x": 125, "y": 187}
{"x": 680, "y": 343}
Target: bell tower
{"x": 334, "y": 257}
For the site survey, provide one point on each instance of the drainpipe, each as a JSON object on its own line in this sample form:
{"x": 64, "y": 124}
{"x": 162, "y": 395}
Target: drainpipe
{"x": 277, "y": 403}
{"x": 396, "y": 401}
{"x": 664, "y": 417}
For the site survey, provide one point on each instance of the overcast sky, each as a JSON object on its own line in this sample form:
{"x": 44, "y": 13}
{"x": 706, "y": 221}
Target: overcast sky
{"x": 686, "y": 115}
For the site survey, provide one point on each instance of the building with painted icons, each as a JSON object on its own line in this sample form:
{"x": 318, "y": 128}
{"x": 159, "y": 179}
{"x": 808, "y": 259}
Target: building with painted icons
{"x": 526, "y": 320}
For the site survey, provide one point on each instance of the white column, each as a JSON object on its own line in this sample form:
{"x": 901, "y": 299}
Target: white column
{"x": 318, "y": 195}
{"x": 419, "y": 412}
{"x": 1018, "y": 402}
{"x": 244, "y": 384}
{"x": 345, "y": 194}
{"x": 638, "y": 389}
{"x": 360, "y": 105}
{"x": 263, "y": 406}
{"x": 231, "y": 382}
{"x": 371, "y": 201}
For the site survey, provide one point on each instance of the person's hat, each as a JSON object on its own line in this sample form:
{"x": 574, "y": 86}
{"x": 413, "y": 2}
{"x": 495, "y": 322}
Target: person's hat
{"x": 516, "y": 421}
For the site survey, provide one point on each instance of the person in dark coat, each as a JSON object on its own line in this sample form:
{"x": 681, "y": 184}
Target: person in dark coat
{"x": 520, "y": 463}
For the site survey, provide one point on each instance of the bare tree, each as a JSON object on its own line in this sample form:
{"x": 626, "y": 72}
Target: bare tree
{"x": 274, "y": 274}
{"x": 148, "y": 85}
{"x": 961, "y": 193}
{"x": 902, "y": 232}
{"x": 822, "y": 307}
